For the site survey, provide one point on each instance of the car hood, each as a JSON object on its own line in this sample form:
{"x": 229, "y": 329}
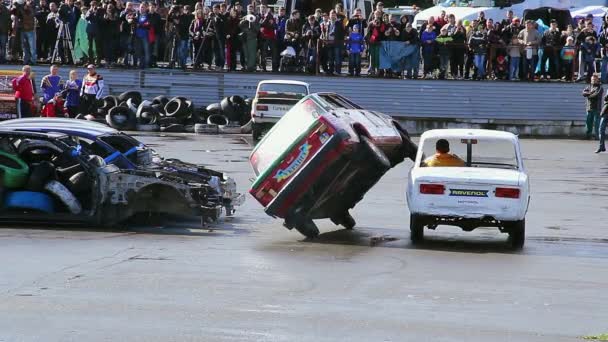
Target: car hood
{"x": 467, "y": 175}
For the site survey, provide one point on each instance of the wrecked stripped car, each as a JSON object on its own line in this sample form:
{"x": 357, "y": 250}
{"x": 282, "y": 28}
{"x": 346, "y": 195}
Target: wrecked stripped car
{"x": 321, "y": 158}
{"x": 127, "y": 153}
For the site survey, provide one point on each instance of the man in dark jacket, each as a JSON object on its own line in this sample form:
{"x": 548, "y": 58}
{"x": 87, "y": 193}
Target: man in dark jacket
{"x": 293, "y": 31}
{"x": 70, "y": 14}
{"x": 310, "y": 34}
{"x": 587, "y": 31}
{"x": 551, "y": 42}
{"x": 156, "y": 24}
{"x": 593, "y": 94}
{"x": 5, "y": 25}
{"x": 357, "y": 19}
{"x": 219, "y": 46}
{"x": 335, "y": 42}
{"x": 94, "y": 18}
{"x": 42, "y": 30}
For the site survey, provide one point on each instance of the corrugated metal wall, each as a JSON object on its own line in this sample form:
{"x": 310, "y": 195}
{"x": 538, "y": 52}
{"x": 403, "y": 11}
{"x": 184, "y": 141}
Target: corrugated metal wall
{"x": 498, "y": 100}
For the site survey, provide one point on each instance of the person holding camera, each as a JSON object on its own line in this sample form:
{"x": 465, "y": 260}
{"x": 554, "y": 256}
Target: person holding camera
{"x": 94, "y": 18}
{"x": 375, "y": 35}
{"x": 127, "y": 28}
{"x": 293, "y": 29}
{"x": 311, "y": 33}
{"x": 233, "y": 41}
{"x": 171, "y": 25}
{"x": 43, "y": 31}
{"x": 201, "y": 40}
{"x": 218, "y": 24}
{"x": 250, "y": 28}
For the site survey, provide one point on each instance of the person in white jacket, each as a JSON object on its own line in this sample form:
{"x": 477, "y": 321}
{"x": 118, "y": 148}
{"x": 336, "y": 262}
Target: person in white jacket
{"x": 92, "y": 90}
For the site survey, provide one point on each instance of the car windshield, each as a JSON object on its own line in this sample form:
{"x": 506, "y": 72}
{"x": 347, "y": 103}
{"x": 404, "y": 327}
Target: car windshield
{"x": 283, "y": 88}
{"x": 477, "y": 152}
{"x": 284, "y": 134}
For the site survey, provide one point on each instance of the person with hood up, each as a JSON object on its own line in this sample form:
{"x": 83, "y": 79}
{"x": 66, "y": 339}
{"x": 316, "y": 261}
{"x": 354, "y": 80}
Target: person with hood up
{"x": 479, "y": 44}
{"x": 593, "y": 94}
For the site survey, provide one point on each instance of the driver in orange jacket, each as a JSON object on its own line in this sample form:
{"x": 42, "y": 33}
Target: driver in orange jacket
{"x": 443, "y": 157}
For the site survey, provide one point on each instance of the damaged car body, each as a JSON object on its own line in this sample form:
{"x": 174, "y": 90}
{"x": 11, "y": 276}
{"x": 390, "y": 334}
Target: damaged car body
{"x": 128, "y": 153}
{"x": 107, "y": 193}
{"x": 321, "y": 158}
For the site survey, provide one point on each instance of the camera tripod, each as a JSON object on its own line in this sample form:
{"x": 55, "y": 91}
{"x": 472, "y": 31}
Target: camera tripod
{"x": 64, "y": 37}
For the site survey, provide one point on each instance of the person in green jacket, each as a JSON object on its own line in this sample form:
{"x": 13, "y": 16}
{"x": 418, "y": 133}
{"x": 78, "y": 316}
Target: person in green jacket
{"x": 444, "y": 48}
{"x": 250, "y": 28}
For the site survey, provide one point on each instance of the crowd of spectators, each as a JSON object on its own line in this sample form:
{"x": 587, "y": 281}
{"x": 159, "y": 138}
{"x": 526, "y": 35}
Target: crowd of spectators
{"x": 230, "y": 37}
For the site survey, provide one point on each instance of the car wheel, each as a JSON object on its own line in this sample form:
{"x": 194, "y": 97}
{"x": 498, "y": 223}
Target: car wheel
{"x": 416, "y": 229}
{"x": 345, "y": 220}
{"x": 256, "y": 132}
{"x": 371, "y": 152}
{"x": 517, "y": 234}
{"x": 408, "y": 148}
{"x": 307, "y": 228}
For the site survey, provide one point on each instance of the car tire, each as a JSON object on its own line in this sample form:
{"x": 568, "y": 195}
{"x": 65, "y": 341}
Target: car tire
{"x": 345, "y": 220}
{"x": 217, "y": 119}
{"x": 416, "y": 229}
{"x": 160, "y": 100}
{"x": 13, "y": 169}
{"x": 159, "y": 108}
{"x": 176, "y": 108}
{"x": 206, "y": 129}
{"x": 110, "y": 102}
{"x": 147, "y": 128}
{"x": 31, "y": 200}
{"x": 135, "y": 96}
{"x": 256, "y": 132}
{"x": 307, "y": 228}
{"x": 132, "y": 106}
{"x": 41, "y": 173}
{"x": 408, "y": 148}
{"x": 127, "y": 118}
{"x": 228, "y": 109}
{"x": 79, "y": 183}
{"x": 64, "y": 195}
{"x": 517, "y": 234}
{"x": 214, "y": 108}
{"x": 372, "y": 153}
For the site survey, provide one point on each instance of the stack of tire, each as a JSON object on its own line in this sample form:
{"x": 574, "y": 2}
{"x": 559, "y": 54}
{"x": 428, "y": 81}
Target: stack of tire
{"x": 35, "y": 180}
{"x": 230, "y": 115}
{"x": 128, "y": 112}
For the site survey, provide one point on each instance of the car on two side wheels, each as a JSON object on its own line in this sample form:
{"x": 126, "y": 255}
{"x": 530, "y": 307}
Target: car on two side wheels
{"x": 321, "y": 158}
{"x": 489, "y": 187}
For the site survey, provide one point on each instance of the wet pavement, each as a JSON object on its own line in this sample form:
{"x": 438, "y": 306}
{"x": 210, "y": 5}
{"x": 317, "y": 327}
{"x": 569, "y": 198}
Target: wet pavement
{"x": 249, "y": 279}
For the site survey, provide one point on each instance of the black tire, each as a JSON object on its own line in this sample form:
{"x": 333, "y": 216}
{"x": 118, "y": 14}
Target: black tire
{"x": 134, "y": 95}
{"x": 40, "y": 174}
{"x": 237, "y": 101}
{"x": 132, "y": 105}
{"x": 161, "y": 100}
{"x": 256, "y": 131}
{"x": 214, "y": 108}
{"x": 416, "y": 229}
{"x": 166, "y": 121}
{"x": 189, "y": 107}
{"x": 345, "y": 220}
{"x": 517, "y": 234}
{"x": 307, "y": 228}
{"x": 64, "y": 195}
{"x": 79, "y": 183}
{"x": 198, "y": 117}
{"x": 372, "y": 155}
{"x": 160, "y": 108}
{"x": 176, "y": 108}
{"x": 228, "y": 109}
{"x": 102, "y": 112}
{"x": 109, "y": 102}
{"x": 175, "y": 128}
{"x": 147, "y": 118}
{"x": 408, "y": 148}
{"x": 123, "y": 104}
{"x": 217, "y": 119}
{"x": 121, "y": 118}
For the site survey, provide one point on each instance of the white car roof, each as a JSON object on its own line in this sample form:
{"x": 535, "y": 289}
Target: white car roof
{"x": 285, "y": 82}
{"x": 468, "y": 134}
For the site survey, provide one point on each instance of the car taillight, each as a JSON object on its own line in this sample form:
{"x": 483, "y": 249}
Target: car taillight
{"x": 261, "y": 107}
{"x": 432, "y": 189}
{"x": 507, "y": 192}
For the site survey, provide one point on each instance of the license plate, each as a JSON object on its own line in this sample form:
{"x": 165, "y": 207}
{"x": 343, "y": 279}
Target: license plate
{"x": 280, "y": 108}
{"x": 468, "y": 193}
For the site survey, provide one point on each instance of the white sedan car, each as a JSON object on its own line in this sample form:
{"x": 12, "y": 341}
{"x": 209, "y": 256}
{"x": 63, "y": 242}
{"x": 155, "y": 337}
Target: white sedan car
{"x": 480, "y": 181}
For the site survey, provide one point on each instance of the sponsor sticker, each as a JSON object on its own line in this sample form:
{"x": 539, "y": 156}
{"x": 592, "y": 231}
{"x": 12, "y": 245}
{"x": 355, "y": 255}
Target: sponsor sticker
{"x": 468, "y": 193}
{"x": 285, "y": 173}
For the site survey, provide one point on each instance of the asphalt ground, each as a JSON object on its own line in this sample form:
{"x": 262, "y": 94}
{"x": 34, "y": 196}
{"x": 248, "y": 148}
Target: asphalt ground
{"x": 250, "y": 279}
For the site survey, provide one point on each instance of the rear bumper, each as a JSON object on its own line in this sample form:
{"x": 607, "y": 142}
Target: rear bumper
{"x": 471, "y": 216}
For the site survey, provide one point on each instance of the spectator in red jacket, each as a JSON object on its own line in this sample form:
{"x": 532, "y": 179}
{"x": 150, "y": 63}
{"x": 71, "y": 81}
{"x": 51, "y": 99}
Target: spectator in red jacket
{"x": 24, "y": 93}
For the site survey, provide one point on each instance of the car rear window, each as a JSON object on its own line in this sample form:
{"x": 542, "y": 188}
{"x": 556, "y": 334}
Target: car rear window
{"x": 283, "y": 88}
{"x": 295, "y": 122}
{"x": 485, "y": 152}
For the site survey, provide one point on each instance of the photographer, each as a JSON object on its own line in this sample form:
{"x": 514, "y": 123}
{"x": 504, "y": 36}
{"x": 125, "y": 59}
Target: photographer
{"x": 233, "y": 41}
{"x": 112, "y": 33}
{"x": 127, "y": 28}
{"x": 52, "y": 25}
{"x": 311, "y": 33}
{"x": 94, "y": 18}
{"x": 43, "y": 32}
{"x": 171, "y": 33}
{"x": 293, "y": 29}
{"x": 201, "y": 39}
{"x": 375, "y": 34}
{"x": 70, "y": 14}
{"x": 157, "y": 28}
{"x": 218, "y": 24}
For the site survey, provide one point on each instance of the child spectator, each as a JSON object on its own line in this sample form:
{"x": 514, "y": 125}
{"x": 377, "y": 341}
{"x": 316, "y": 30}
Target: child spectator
{"x": 72, "y": 94}
{"x": 568, "y": 54}
{"x": 54, "y": 108}
{"x": 428, "y": 38}
{"x": 514, "y": 52}
{"x": 443, "y": 48}
{"x": 355, "y": 48}
{"x": 590, "y": 51}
